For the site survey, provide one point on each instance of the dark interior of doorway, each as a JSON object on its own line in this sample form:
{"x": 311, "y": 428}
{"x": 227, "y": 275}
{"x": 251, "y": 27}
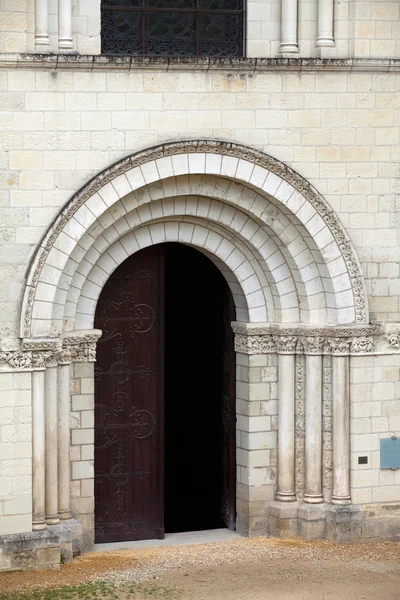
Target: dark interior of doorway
{"x": 194, "y": 460}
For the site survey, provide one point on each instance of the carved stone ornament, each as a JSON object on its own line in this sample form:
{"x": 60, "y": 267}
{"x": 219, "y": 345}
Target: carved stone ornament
{"x": 211, "y": 147}
{"x": 286, "y": 344}
{"x": 81, "y": 346}
{"x": 301, "y": 339}
{"x": 257, "y": 344}
{"x": 16, "y": 360}
{"x": 393, "y": 341}
{"x": 313, "y": 345}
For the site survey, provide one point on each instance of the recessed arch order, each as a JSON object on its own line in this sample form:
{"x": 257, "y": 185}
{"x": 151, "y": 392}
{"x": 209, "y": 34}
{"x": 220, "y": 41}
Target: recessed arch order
{"x": 280, "y": 246}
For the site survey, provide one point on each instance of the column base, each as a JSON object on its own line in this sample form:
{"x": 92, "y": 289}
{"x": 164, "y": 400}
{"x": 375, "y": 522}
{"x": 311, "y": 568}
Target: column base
{"x": 283, "y": 518}
{"x": 341, "y": 500}
{"x": 289, "y": 49}
{"x": 313, "y": 498}
{"x": 325, "y": 43}
{"x": 312, "y": 524}
{"x": 39, "y": 526}
{"x": 65, "y": 45}
{"x": 64, "y": 516}
{"x": 52, "y": 520}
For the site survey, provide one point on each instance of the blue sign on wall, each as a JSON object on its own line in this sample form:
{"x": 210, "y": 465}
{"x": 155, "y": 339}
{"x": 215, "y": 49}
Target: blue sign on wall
{"x": 390, "y": 453}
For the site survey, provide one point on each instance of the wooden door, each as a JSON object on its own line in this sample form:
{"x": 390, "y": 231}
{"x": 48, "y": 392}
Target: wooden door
{"x": 129, "y": 384}
{"x": 228, "y": 416}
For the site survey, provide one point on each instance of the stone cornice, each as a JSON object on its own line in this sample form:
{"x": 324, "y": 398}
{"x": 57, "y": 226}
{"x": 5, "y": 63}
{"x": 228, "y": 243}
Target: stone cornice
{"x": 250, "y": 65}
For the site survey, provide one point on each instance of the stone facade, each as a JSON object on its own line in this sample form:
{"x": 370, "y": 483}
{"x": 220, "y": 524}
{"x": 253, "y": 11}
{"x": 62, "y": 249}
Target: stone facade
{"x": 283, "y": 168}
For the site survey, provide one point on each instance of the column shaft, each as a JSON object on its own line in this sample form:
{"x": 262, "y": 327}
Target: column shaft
{"x": 286, "y": 468}
{"x": 63, "y": 432}
{"x": 289, "y": 26}
{"x": 325, "y": 24}
{"x": 41, "y": 25}
{"x": 38, "y": 451}
{"x": 313, "y": 454}
{"x": 341, "y": 430}
{"x": 51, "y": 446}
{"x": 65, "y": 25}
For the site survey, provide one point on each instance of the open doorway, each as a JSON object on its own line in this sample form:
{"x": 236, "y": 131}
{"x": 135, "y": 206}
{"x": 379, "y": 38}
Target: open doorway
{"x": 165, "y": 447}
{"x": 199, "y": 394}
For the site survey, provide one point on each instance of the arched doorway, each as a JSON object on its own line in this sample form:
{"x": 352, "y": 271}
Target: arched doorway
{"x": 164, "y": 397}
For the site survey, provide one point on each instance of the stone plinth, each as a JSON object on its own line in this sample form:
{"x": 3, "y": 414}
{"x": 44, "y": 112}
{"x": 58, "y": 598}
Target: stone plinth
{"x": 344, "y": 523}
{"x": 283, "y": 518}
{"x": 311, "y": 523}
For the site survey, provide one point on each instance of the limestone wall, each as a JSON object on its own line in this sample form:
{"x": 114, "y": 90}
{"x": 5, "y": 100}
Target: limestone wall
{"x": 15, "y": 453}
{"x": 339, "y": 130}
{"x": 375, "y": 415}
{"x": 362, "y": 28}
{"x": 82, "y": 448}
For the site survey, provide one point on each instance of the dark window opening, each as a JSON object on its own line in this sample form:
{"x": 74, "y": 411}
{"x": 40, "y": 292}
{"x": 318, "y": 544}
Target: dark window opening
{"x": 172, "y": 27}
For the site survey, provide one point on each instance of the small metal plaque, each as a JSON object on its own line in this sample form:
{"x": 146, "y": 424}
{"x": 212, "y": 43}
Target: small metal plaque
{"x": 390, "y": 453}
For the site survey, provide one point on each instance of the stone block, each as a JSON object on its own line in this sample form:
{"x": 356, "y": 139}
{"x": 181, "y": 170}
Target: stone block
{"x": 311, "y": 522}
{"x": 344, "y": 523}
{"x": 35, "y": 550}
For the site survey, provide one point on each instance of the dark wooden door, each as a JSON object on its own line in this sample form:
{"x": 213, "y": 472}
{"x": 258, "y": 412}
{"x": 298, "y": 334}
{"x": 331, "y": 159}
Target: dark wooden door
{"x": 129, "y": 384}
{"x": 228, "y": 449}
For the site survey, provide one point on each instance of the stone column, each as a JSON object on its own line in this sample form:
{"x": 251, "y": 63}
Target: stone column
{"x": 289, "y": 27}
{"x": 51, "y": 441}
{"x": 325, "y": 24}
{"x": 313, "y": 452}
{"x": 286, "y": 346}
{"x": 38, "y": 451}
{"x": 42, "y": 25}
{"x": 63, "y": 434}
{"x": 65, "y": 25}
{"x": 341, "y": 430}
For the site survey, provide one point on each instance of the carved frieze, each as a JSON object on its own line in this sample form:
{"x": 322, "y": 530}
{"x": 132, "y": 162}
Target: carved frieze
{"x": 298, "y": 339}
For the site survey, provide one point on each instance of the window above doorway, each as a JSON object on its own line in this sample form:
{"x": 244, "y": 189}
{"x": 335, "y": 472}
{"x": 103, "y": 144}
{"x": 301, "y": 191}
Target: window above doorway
{"x": 172, "y": 27}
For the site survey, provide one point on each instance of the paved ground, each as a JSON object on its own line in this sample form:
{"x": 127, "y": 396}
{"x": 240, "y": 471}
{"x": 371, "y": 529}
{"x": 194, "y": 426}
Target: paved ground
{"x": 240, "y": 569}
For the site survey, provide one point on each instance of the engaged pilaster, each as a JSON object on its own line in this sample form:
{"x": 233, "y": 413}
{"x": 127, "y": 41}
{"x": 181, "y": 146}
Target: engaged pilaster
{"x": 65, "y": 25}
{"x": 42, "y": 26}
{"x": 38, "y": 449}
{"x": 286, "y": 346}
{"x": 313, "y": 348}
{"x": 51, "y": 441}
{"x": 289, "y": 27}
{"x": 325, "y": 24}
{"x": 341, "y": 423}
{"x": 63, "y": 434}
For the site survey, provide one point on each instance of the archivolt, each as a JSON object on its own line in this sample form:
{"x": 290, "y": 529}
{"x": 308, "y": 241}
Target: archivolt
{"x": 304, "y": 264}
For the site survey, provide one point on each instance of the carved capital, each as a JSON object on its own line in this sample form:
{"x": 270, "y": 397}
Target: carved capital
{"x": 286, "y": 344}
{"x": 362, "y": 345}
{"x": 81, "y": 346}
{"x": 313, "y": 345}
{"x": 254, "y": 344}
{"x": 339, "y": 346}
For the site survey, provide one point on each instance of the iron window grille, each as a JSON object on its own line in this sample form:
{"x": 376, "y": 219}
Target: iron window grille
{"x": 173, "y": 27}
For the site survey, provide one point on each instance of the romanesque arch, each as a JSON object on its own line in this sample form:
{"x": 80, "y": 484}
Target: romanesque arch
{"x": 295, "y": 279}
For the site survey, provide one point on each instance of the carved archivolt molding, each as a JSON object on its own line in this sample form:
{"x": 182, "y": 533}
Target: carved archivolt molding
{"x": 262, "y": 339}
{"x": 211, "y": 147}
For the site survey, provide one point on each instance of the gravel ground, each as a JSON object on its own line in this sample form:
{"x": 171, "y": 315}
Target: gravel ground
{"x": 242, "y": 569}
